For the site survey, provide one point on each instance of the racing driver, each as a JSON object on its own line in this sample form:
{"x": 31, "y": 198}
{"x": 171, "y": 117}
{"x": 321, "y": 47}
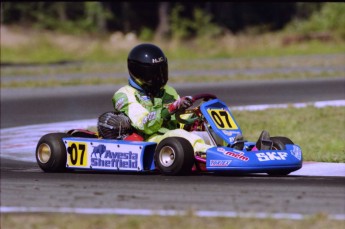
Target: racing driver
{"x": 149, "y": 102}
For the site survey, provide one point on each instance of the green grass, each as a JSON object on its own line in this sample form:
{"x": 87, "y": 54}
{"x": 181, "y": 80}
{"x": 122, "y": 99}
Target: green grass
{"x": 180, "y": 79}
{"x": 99, "y": 56}
{"x": 301, "y": 67}
{"x": 41, "y": 221}
{"x": 46, "y": 47}
{"x": 319, "y": 131}
{"x": 40, "y": 52}
{"x": 309, "y": 48}
{"x": 116, "y": 66}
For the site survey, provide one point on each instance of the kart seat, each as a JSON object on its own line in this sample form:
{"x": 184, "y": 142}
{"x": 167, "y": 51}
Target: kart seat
{"x": 264, "y": 142}
{"x": 82, "y": 133}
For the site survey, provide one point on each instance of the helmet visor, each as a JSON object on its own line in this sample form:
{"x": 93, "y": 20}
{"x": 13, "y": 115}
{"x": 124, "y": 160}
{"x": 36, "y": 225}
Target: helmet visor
{"x": 151, "y": 77}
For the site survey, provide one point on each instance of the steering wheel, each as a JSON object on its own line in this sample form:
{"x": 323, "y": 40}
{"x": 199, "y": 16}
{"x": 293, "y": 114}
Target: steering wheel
{"x": 204, "y": 97}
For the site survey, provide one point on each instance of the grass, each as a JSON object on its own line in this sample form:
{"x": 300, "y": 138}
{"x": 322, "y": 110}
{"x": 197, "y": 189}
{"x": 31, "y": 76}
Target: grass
{"x": 94, "y": 80}
{"x": 205, "y": 70}
{"x": 46, "y": 47}
{"x": 38, "y": 221}
{"x": 334, "y": 61}
{"x": 95, "y": 56}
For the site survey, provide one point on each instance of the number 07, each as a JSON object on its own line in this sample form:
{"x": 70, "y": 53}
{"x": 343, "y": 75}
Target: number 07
{"x": 222, "y": 119}
{"x": 74, "y": 151}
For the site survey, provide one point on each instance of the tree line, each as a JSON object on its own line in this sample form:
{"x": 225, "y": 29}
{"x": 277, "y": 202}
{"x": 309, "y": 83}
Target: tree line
{"x": 157, "y": 19}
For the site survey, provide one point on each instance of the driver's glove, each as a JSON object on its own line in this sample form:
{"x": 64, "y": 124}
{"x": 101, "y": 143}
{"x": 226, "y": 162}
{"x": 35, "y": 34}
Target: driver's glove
{"x": 180, "y": 104}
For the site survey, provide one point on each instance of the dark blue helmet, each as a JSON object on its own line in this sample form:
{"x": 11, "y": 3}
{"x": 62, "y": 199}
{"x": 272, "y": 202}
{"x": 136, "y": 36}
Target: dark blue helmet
{"x": 148, "y": 67}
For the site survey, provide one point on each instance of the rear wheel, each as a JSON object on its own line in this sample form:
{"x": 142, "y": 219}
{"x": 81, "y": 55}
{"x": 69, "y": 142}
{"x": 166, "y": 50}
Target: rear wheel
{"x": 174, "y": 156}
{"x": 51, "y": 152}
{"x": 279, "y": 143}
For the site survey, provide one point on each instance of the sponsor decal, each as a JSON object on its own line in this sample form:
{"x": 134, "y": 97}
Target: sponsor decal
{"x": 157, "y": 60}
{"x": 101, "y": 157}
{"x": 238, "y": 155}
{"x": 271, "y": 156}
{"x": 119, "y": 104}
{"x": 232, "y": 139}
{"x": 296, "y": 152}
{"x": 145, "y": 98}
{"x": 151, "y": 116}
{"x": 230, "y": 133}
{"x": 220, "y": 163}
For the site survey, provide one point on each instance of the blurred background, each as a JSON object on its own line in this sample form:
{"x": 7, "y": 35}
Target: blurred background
{"x": 45, "y": 32}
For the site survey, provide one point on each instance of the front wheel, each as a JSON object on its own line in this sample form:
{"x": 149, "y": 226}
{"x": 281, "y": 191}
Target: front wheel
{"x": 51, "y": 153}
{"x": 174, "y": 156}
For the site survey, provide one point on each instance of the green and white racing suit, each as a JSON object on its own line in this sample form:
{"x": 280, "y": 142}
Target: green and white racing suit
{"x": 151, "y": 118}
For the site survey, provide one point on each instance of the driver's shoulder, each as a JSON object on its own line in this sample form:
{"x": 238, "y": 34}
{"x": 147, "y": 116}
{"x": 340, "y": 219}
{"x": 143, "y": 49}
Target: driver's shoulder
{"x": 127, "y": 90}
{"x": 171, "y": 91}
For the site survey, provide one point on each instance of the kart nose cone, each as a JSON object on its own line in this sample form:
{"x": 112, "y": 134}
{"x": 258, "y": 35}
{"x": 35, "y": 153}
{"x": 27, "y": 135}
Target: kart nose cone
{"x": 44, "y": 153}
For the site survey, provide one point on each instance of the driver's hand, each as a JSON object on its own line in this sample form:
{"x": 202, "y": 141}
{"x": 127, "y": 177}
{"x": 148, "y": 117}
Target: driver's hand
{"x": 181, "y": 104}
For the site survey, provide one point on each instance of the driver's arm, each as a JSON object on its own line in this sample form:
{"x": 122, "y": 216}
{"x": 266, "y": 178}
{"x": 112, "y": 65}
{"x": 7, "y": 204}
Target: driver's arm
{"x": 148, "y": 121}
{"x": 141, "y": 118}
{"x": 180, "y": 104}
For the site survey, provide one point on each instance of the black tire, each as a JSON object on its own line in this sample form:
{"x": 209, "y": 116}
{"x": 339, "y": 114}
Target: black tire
{"x": 51, "y": 152}
{"x": 174, "y": 156}
{"x": 284, "y": 140}
{"x": 279, "y": 173}
{"x": 279, "y": 144}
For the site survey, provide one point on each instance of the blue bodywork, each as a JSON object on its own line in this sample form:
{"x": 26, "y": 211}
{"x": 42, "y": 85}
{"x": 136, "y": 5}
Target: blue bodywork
{"x": 225, "y": 158}
{"x": 229, "y": 159}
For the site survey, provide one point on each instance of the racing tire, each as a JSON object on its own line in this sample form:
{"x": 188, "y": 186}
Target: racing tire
{"x": 51, "y": 155}
{"x": 284, "y": 140}
{"x": 279, "y": 144}
{"x": 174, "y": 156}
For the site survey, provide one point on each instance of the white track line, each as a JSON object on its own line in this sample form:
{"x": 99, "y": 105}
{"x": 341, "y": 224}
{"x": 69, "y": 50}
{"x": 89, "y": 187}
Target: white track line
{"x": 319, "y": 104}
{"x": 150, "y": 212}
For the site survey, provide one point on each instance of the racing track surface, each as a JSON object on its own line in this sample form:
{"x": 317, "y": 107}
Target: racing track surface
{"x": 23, "y": 184}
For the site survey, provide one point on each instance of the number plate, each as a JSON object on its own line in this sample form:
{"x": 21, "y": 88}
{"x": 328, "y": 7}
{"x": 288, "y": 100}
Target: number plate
{"x": 222, "y": 119}
{"x": 77, "y": 154}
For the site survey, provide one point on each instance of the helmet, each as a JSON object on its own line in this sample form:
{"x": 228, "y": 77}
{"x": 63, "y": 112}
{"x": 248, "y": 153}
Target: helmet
{"x": 148, "y": 67}
{"x": 114, "y": 125}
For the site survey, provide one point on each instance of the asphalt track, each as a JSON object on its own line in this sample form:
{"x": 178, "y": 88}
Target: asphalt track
{"x": 24, "y": 187}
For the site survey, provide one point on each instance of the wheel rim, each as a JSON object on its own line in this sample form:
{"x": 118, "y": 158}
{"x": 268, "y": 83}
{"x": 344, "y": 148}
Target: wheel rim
{"x": 167, "y": 156}
{"x": 44, "y": 153}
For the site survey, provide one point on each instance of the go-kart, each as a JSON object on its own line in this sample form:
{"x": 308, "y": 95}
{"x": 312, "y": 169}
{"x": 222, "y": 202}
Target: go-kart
{"x": 211, "y": 119}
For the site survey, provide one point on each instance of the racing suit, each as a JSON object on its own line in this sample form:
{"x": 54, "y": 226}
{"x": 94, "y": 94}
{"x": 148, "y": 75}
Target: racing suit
{"x": 150, "y": 116}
